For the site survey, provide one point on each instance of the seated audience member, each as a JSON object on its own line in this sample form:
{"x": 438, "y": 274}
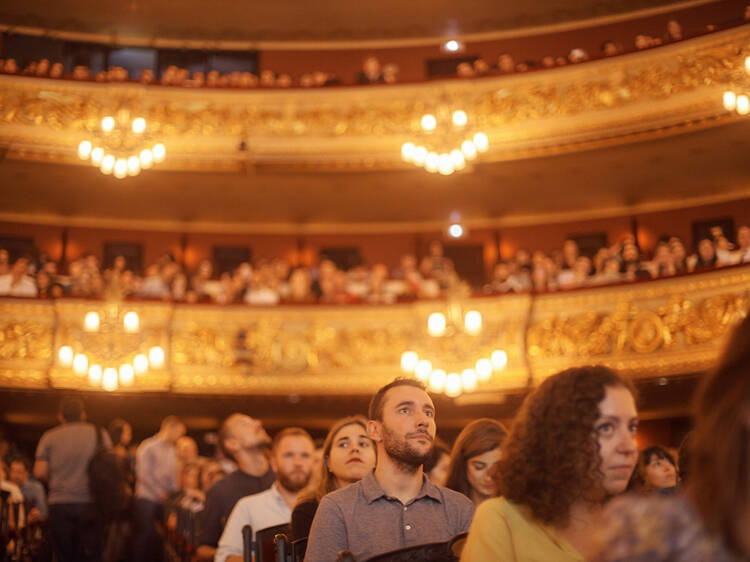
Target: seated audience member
{"x": 709, "y": 521}
{"x": 15, "y": 496}
{"x": 465, "y": 70}
{"x": 663, "y": 264}
{"x": 481, "y": 68}
{"x": 292, "y": 455}
{"x": 705, "y": 257}
{"x": 56, "y": 70}
{"x": 674, "y": 31}
{"x": 610, "y": 49}
{"x": 211, "y": 473}
{"x": 742, "y": 254}
{"x": 371, "y": 72}
{"x": 506, "y": 64}
{"x": 578, "y": 55}
{"x": 10, "y": 66}
{"x": 548, "y": 61}
{"x": 32, "y": 490}
{"x": 348, "y": 455}
{"x": 435, "y": 265}
{"x": 474, "y": 455}
{"x": 561, "y": 61}
{"x": 242, "y": 439}
{"x": 16, "y": 283}
{"x": 395, "y": 506}
{"x": 390, "y": 73}
{"x": 656, "y": 471}
{"x": 571, "y": 447}
{"x": 679, "y": 254}
{"x": 643, "y": 42}
{"x": 436, "y": 467}
{"x": 4, "y": 262}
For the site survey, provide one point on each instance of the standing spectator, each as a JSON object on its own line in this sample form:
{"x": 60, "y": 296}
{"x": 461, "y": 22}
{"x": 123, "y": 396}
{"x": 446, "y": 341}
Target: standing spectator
{"x": 156, "y": 479}
{"x": 32, "y": 490}
{"x": 62, "y": 460}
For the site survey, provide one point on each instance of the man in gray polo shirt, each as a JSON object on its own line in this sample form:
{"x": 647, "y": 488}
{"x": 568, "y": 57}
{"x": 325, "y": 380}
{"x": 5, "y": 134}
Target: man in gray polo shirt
{"x": 395, "y": 506}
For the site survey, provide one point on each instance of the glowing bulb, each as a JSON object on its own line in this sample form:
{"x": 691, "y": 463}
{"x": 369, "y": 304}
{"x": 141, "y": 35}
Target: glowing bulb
{"x": 423, "y": 370}
{"x": 65, "y": 355}
{"x": 437, "y": 380}
{"x": 127, "y": 374}
{"x": 458, "y": 159}
{"x": 91, "y": 322}
{"x": 84, "y": 150}
{"x": 484, "y": 369}
{"x": 407, "y": 151}
{"x": 420, "y": 155}
{"x": 121, "y": 168}
{"x": 95, "y": 374}
{"x": 481, "y": 142}
{"x": 140, "y": 362}
{"x": 429, "y": 122}
{"x": 108, "y": 123}
{"x": 436, "y": 325}
{"x": 96, "y": 156}
{"x": 432, "y": 162}
{"x": 730, "y": 100}
{"x": 156, "y": 357}
{"x": 146, "y": 158}
{"x": 469, "y": 150}
{"x": 80, "y": 364}
{"x": 469, "y": 379}
{"x": 499, "y": 359}
{"x": 743, "y": 105}
{"x": 459, "y": 118}
{"x": 747, "y": 64}
{"x": 473, "y": 322}
{"x": 108, "y": 164}
{"x": 452, "y": 46}
{"x": 453, "y": 385}
{"x": 109, "y": 379}
{"x": 159, "y": 152}
{"x": 139, "y": 125}
{"x": 456, "y": 231}
{"x": 445, "y": 164}
{"x": 131, "y": 322}
{"x": 409, "y": 361}
{"x": 134, "y": 166}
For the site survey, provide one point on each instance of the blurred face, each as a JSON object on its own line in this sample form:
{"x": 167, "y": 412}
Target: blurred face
{"x": 743, "y": 237}
{"x": 479, "y": 473}
{"x": 706, "y": 250}
{"x": 247, "y": 433}
{"x": 439, "y": 474}
{"x": 293, "y": 462}
{"x": 407, "y": 430}
{"x": 187, "y": 449}
{"x": 660, "y": 473}
{"x": 174, "y": 432}
{"x": 352, "y": 454}
{"x": 615, "y": 431}
{"x": 191, "y": 478}
{"x": 18, "y": 473}
{"x": 505, "y": 63}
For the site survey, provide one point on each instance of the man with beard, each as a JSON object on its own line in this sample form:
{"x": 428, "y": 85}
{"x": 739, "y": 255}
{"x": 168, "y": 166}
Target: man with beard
{"x": 395, "y": 506}
{"x": 292, "y": 454}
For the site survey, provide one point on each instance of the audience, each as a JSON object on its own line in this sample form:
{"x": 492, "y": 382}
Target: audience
{"x": 348, "y": 456}
{"x": 436, "y": 467}
{"x": 571, "y": 447}
{"x": 396, "y": 505}
{"x": 33, "y": 492}
{"x": 656, "y": 471}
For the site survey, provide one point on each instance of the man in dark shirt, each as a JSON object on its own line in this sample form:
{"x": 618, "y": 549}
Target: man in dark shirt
{"x": 244, "y": 440}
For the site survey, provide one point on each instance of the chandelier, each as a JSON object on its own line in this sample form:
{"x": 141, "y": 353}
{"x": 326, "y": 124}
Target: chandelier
{"x": 458, "y": 355}
{"x": 110, "y": 349}
{"x": 122, "y": 146}
{"x": 445, "y": 143}
{"x": 738, "y": 102}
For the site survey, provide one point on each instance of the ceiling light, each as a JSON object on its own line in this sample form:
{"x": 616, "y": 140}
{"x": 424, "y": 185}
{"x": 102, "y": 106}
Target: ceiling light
{"x": 452, "y": 46}
{"x": 455, "y": 231}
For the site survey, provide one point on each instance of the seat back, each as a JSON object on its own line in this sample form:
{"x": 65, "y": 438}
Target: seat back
{"x": 264, "y": 547}
{"x": 432, "y": 552}
{"x": 298, "y": 549}
{"x": 282, "y": 548}
{"x": 247, "y": 544}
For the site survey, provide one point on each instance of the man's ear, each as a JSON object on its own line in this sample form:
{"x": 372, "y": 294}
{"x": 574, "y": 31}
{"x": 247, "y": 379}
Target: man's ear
{"x": 274, "y": 464}
{"x": 375, "y": 430}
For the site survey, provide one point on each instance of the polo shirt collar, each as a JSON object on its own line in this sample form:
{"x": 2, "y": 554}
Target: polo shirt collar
{"x": 373, "y": 490}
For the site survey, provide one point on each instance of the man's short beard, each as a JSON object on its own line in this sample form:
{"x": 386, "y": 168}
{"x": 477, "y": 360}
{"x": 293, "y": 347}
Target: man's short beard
{"x": 408, "y": 459}
{"x": 292, "y": 485}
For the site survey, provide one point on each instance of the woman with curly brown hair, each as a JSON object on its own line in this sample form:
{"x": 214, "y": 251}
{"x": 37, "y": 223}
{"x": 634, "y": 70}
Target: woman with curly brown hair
{"x": 474, "y": 456}
{"x": 571, "y": 447}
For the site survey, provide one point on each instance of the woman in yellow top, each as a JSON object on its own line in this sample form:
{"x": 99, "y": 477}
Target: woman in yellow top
{"x": 571, "y": 447}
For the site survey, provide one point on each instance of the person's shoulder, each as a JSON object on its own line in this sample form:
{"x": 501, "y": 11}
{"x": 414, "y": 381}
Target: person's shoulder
{"x": 452, "y": 496}
{"x": 344, "y": 496}
{"x": 501, "y": 508}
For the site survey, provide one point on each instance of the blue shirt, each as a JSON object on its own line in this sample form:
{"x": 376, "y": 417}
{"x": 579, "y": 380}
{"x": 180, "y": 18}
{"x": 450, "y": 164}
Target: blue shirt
{"x": 155, "y": 469}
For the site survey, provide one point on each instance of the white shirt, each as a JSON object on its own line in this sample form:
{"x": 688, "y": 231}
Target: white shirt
{"x": 26, "y": 287}
{"x": 260, "y": 511}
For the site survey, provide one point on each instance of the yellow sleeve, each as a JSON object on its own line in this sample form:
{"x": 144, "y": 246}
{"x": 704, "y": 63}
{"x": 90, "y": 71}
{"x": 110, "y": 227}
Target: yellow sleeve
{"x": 489, "y": 536}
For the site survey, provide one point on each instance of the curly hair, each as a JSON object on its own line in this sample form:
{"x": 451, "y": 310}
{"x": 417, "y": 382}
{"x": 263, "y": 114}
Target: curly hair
{"x": 551, "y": 454}
{"x": 475, "y": 439}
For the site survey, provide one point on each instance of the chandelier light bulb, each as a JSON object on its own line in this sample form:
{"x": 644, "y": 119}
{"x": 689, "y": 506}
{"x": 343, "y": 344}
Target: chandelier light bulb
{"x": 139, "y": 125}
{"x": 499, "y": 359}
{"x": 481, "y": 142}
{"x": 95, "y": 375}
{"x": 458, "y": 159}
{"x": 65, "y": 355}
{"x": 473, "y": 322}
{"x": 437, "y": 380}
{"x": 469, "y": 380}
{"x": 730, "y": 100}
{"x": 109, "y": 379}
{"x": 445, "y": 164}
{"x": 409, "y": 361}
{"x": 452, "y": 46}
{"x": 429, "y": 122}
{"x": 453, "y": 385}
{"x": 91, "y": 321}
{"x": 420, "y": 155}
{"x": 108, "y": 164}
{"x": 455, "y": 231}
{"x": 127, "y": 374}
{"x": 96, "y": 156}
{"x": 423, "y": 370}
{"x": 436, "y": 324}
{"x": 147, "y": 158}
{"x": 108, "y": 123}
{"x": 158, "y": 152}
{"x": 140, "y": 362}
{"x": 121, "y": 168}
{"x": 407, "y": 151}
{"x": 484, "y": 369}
{"x": 747, "y": 64}
{"x": 469, "y": 149}
{"x": 432, "y": 162}
{"x": 743, "y": 105}
{"x": 134, "y": 166}
{"x": 156, "y": 357}
{"x": 80, "y": 364}
{"x": 131, "y": 322}
{"x": 459, "y": 118}
{"x": 84, "y": 150}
